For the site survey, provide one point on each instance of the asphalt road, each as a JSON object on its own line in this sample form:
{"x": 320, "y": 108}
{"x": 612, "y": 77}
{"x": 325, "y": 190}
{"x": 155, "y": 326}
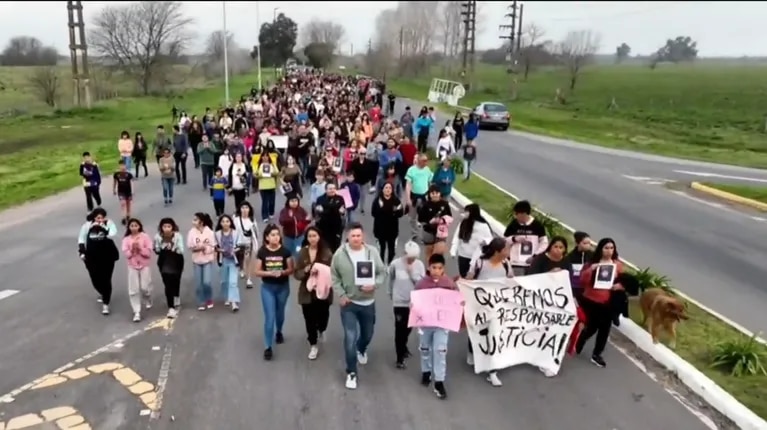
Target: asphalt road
{"x": 710, "y": 251}
{"x": 216, "y": 377}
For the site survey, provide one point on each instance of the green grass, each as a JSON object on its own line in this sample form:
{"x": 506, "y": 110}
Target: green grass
{"x": 696, "y": 338}
{"x": 39, "y": 154}
{"x": 701, "y": 112}
{"x": 755, "y": 193}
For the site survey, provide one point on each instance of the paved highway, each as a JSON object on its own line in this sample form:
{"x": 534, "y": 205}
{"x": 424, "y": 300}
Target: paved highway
{"x": 207, "y": 371}
{"x": 712, "y": 252}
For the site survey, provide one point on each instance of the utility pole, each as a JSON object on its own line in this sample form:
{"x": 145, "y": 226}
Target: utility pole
{"x": 519, "y": 27}
{"x": 401, "y": 42}
{"x": 226, "y": 55}
{"x": 469, "y": 13}
{"x": 78, "y": 52}
{"x": 512, "y": 50}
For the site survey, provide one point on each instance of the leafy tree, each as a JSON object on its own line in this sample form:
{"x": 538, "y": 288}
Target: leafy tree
{"x": 28, "y": 51}
{"x": 277, "y": 40}
{"x": 319, "y": 55}
{"x": 622, "y": 52}
{"x": 677, "y": 50}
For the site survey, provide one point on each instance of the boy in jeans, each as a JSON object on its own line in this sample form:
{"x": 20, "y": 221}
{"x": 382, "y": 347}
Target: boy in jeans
{"x": 433, "y": 342}
{"x": 218, "y": 185}
{"x": 404, "y": 273}
{"x": 91, "y": 175}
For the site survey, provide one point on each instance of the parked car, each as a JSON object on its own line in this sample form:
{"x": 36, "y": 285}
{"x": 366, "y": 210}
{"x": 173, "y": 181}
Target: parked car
{"x": 493, "y": 114}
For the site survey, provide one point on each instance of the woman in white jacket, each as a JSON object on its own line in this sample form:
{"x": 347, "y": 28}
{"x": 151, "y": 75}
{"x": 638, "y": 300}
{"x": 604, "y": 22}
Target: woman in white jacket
{"x": 245, "y": 223}
{"x": 445, "y": 146}
{"x": 473, "y": 233}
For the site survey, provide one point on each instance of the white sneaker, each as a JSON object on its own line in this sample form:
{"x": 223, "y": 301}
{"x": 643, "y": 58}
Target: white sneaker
{"x": 148, "y": 303}
{"x": 104, "y": 309}
{"x": 172, "y": 313}
{"x": 547, "y": 373}
{"x": 99, "y": 300}
{"x": 313, "y": 352}
{"x": 362, "y": 358}
{"x": 235, "y": 307}
{"x": 249, "y": 283}
{"x": 351, "y": 381}
{"x": 470, "y": 359}
{"x": 226, "y": 303}
{"x": 321, "y": 337}
{"x": 492, "y": 378}
{"x": 242, "y": 274}
{"x": 136, "y": 317}
{"x": 372, "y": 190}
{"x": 177, "y": 301}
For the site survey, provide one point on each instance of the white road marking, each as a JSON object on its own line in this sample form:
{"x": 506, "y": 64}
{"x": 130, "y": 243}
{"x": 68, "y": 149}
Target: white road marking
{"x": 649, "y": 180}
{"x": 758, "y": 218}
{"x": 717, "y": 175}
{"x": 4, "y": 294}
{"x": 637, "y": 178}
{"x": 701, "y": 201}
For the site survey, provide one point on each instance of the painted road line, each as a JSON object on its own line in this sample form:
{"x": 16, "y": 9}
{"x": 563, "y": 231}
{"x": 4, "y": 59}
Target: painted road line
{"x": 65, "y": 417}
{"x": 4, "y": 294}
{"x": 720, "y": 176}
{"x": 758, "y": 218}
{"x": 160, "y": 323}
{"x": 162, "y": 378}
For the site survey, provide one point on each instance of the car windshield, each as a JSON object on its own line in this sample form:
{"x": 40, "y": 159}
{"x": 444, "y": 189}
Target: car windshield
{"x": 495, "y": 108}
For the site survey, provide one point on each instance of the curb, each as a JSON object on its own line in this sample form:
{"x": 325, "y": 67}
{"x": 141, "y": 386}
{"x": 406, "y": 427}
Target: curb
{"x": 730, "y": 197}
{"x": 691, "y": 377}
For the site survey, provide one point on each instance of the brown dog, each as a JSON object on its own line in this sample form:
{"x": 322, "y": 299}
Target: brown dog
{"x": 663, "y": 311}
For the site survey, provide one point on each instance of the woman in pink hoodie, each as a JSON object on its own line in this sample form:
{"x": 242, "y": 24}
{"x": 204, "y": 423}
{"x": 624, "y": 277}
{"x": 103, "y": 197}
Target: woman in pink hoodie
{"x": 202, "y": 242}
{"x": 137, "y": 247}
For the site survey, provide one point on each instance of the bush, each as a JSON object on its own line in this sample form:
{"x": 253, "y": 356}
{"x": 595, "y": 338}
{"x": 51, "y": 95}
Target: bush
{"x": 740, "y": 357}
{"x": 648, "y": 279}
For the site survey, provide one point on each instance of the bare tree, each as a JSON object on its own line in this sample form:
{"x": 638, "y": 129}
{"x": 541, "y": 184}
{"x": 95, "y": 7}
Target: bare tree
{"x": 577, "y": 50}
{"x": 531, "y": 47}
{"x": 417, "y": 26}
{"x": 451, "y": 31}
{"x": 214, "y": 46}
{"x": 322, "y": 32}
{"x": 142, "y": 39}
{"x": 46, "y": 83}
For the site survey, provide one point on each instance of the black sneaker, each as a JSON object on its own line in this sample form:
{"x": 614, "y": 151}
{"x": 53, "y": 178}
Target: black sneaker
{"x": 425, "y": 379}
{"x": 268, "y": 354}
{"x": 598, "y": 361}
{"x": 279, "y": 338}
{"x": 579, "y": 347}
{"x": 401, "y": 365}
{"x": 439, "y": 390}
{"x": 124, "y": 221}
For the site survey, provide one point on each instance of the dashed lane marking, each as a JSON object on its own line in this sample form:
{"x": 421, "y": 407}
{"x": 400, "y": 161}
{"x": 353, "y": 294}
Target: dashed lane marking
{"x": 4, "y": 294}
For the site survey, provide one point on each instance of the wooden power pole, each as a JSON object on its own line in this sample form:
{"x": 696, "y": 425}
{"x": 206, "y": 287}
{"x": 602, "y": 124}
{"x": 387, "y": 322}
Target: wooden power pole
{"x": 469, "y": 13}
{"x": 78, "y": 52}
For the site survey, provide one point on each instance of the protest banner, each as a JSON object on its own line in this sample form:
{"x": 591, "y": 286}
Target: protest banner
{"x": 525, "y": 319}
{"x": 436, "y": 307}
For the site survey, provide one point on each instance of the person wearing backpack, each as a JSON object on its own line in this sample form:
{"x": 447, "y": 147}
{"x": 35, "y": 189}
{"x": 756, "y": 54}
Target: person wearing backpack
{"x": 492, "y": 264}
{"x": 161, "y": 143}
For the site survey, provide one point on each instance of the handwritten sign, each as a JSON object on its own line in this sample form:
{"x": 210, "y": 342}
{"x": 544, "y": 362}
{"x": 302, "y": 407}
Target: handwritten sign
{"x": 436, "y": 307}
{"x": 346, "y": 195}
{"x": 526, "y": 319}
{"x": 280, "y": 142}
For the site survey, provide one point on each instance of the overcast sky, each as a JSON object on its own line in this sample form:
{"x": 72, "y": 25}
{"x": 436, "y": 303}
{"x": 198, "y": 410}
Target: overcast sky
{"x": 721, "y": 28}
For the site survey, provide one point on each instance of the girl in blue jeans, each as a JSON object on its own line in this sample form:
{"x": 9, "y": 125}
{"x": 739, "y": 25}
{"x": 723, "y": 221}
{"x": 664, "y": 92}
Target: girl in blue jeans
{"x": 227, "y": 241}
{"x": 274, "y": 264}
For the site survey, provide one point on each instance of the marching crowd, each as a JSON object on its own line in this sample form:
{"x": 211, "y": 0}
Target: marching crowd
{"x": 324, "y": 143}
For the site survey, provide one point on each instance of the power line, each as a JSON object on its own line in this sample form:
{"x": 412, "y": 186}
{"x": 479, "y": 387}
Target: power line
{"x": 613, "y": 15}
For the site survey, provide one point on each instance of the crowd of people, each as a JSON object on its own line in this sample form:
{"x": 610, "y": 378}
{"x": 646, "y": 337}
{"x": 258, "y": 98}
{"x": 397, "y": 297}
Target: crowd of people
{"x": 324, "y": 143}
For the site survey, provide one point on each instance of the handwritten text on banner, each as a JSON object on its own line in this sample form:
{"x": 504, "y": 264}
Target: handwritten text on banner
{"x": 436, "y": 307}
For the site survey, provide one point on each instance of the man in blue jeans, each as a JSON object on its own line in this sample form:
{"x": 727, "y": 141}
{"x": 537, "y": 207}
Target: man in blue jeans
{"x": 357, "y": 271}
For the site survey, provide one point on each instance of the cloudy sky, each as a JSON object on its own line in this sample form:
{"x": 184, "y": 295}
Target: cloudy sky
{"x": 721, "y": 28}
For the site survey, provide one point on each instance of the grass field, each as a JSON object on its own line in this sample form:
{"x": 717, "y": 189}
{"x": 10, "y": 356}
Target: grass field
{"x": 696, "y": 337}
{"x": 706, "y": 112}
{"x": 755, "y": 193}
{"x": 39, "y": 153}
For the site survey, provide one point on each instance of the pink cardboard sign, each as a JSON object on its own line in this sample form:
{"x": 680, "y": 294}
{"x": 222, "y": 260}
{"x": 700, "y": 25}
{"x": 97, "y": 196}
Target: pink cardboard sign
{"x": 436, "y": 307}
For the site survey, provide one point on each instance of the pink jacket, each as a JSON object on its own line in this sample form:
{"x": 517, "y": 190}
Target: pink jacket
{"x": 137, "y": 258}
{"x": 205, "y": 238}
{"x": 321, "y": 282}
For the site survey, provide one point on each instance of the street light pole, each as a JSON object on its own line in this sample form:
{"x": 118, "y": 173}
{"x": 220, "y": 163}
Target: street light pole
{"x": 258, "y": 46}
{"x": 274, "y": 14}
{"x": 226, "y": 55}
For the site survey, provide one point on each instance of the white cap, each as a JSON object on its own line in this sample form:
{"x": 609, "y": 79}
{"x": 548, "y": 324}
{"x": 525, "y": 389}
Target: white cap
{"x": 412, "y": 250}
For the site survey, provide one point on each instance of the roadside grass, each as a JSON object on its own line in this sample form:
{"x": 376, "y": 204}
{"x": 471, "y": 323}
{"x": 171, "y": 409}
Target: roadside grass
{"x": 750, "y": 192}
{"x": 700, "y": 112}
{"x": 697, "y": 338}
{"x": 40, "y": 154}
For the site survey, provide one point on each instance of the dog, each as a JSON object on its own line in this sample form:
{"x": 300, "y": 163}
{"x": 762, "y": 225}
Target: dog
{"x": 661, "y": 311}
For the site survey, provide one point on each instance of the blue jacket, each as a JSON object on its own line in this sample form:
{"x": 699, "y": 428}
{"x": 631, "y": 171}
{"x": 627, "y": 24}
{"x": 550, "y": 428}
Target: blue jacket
{"x": 91, "y": 174}
{"x": 385, "y": 158}
{"x": 471, "y": 128}
{"x": 355, "y": 192}
{"x": 420, "y": 123}
{"x": 444, "y": 179}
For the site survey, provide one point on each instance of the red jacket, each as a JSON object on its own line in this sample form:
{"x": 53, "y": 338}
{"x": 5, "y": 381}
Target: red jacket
{"x": 294, "y": 225}
{"x": 598, "y": 296}
{"x": 408, "y": 151}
